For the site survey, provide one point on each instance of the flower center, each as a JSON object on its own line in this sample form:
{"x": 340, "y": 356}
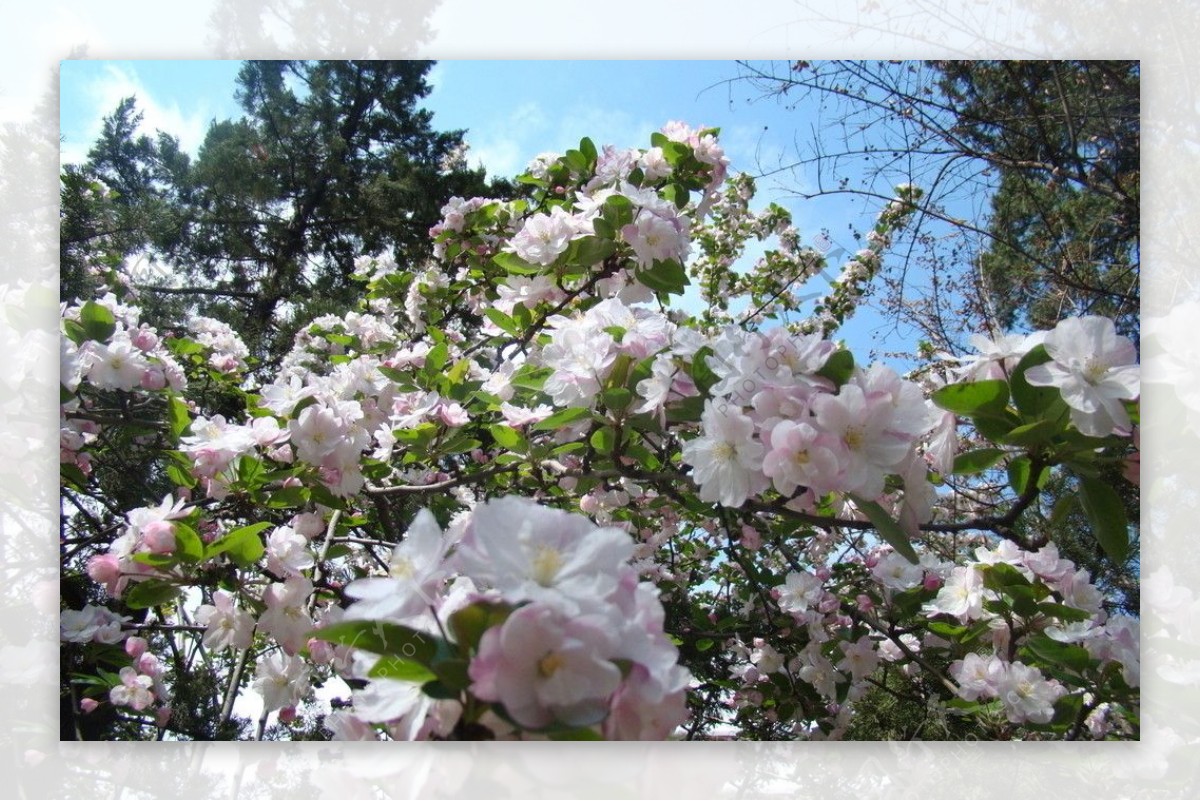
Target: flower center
{"x": 1094, "y": 369}
{"x": 853, "y": 437}
{"x": 724, "y": 451}
{"x": 549, "y": 664}
{"x": 402, "y": 568}
{"x": 546, "y": 564}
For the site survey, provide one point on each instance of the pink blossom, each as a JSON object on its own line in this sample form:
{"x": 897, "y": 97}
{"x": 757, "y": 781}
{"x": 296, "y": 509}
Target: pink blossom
{"x": 1028, "y": 696}
{"x": 159, "y": 537}
{"x": 228, "y": 626}
{"x": 105, "y": 569}
{"x": 546, "y": 666}
{"x": 415, "y": 572}
{"x": 977, "y": 676}
{"x": 801, "y": 456}
{"x": 1095, "y": 371}
{"x": 961, "y": 595}
{"x": 531, "y": 552}
{"x": 133, "y": 691}
{"x": 281, "y": 680}
{"x": 286, "y": 618}
{"x": 647, "y": 707}
{"x": 545, "y": 236}
{"x": 726, "y": 460}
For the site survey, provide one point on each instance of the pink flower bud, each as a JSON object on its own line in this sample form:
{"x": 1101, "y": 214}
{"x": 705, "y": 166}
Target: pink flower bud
{"x": 149, "y": 665}
{"x": 864, "y": 603}
{"x": 136, "y": 646}
{"x": 931, "y": 581}
{"x": 159, "y": 537}
{"x": 292, "y": 481}
{"x": 823, "y": 573}
{"x": 144, "y": 340}
{"x": 751, "y": 539}
{"x": 162, "y": 716}
{"x": 153, "y": 379}
{"x": 287, "y": 714}
{"x": 88, "y": 704}
{"x": 320, "y": 651}
{"x": 105, "y": 569}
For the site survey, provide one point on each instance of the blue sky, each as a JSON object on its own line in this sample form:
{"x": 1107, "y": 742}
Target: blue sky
{"x": 512, "y": 111}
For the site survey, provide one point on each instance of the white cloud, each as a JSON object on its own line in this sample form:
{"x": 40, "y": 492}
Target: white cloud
{"x": 507, "y": 145}
{"x": 116, "y": 82}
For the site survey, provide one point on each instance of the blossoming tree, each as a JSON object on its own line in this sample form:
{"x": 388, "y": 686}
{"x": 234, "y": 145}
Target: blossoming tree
{"x": 523, "y": 492}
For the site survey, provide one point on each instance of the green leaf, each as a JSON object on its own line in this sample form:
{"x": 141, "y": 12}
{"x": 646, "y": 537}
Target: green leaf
{"x": 578, "y": 734}
{"x": 589, "y": 250}
{"x": 1001, "y": 576}
{"x": 972, "y": 462}
{"x": 703, "y": 375}
{"x": 178, "y": 416}
{"x": 1031, "y": 401}
{"x": 288, "y": 497}
{"x": 618, "y": 211}
{"x": 74, "y": 332}
{"x": 73, "y": 475}
{"x": 250, "y": 471}
{"x": 1019, "y": 471}
{"x": 972, "y": 398}
{"x": 508, "y": 438}
{"x": 1031, "y": 434}
{"x": 188, "y": 545}
{"x": 452, "y": 673}
{"x": 565, "y": 417}
{"x": 676, "y": 194}
{"x": 888, "y": 528}
{"x": 97, "y": 321}
{"x": 155, "y": 559}
{"x": 617, "y": 398}
{"x": 531, "y": 378}
{"x": 995, "y": 423}
{"x": 1065, "y": 613}
{"x": 512, "y": 263}
{"x": 604, "y": 440}
{"x": 947, "y": 630}
{"x": 458, "y": 372}
{"x": 438, "y": 691}
{"x": 502, "y": 321}
{"x": 401, "y": 669}
{"x": 838, "y": 367}
{"x": 435, "y": 360}
{"x": 1106, "y": 511}
{"x": 665, "y": 276}
{"x": 244, "y": 545}
{"x": 380, "y": 637}
{"x": 603, "y": 228}
{"x": 146, "y": 594}
{"x": 588, "y": 149}
{"x": 1072, "y": 657}
{"x": 686, "y": 410}
{"x": 469, "y": 623}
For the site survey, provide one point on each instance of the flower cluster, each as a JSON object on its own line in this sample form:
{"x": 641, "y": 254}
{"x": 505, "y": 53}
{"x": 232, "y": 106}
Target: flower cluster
{"x": 534, "y": 369}
{"x": 775, "y": 418}
{"x": 579, "y": 640}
